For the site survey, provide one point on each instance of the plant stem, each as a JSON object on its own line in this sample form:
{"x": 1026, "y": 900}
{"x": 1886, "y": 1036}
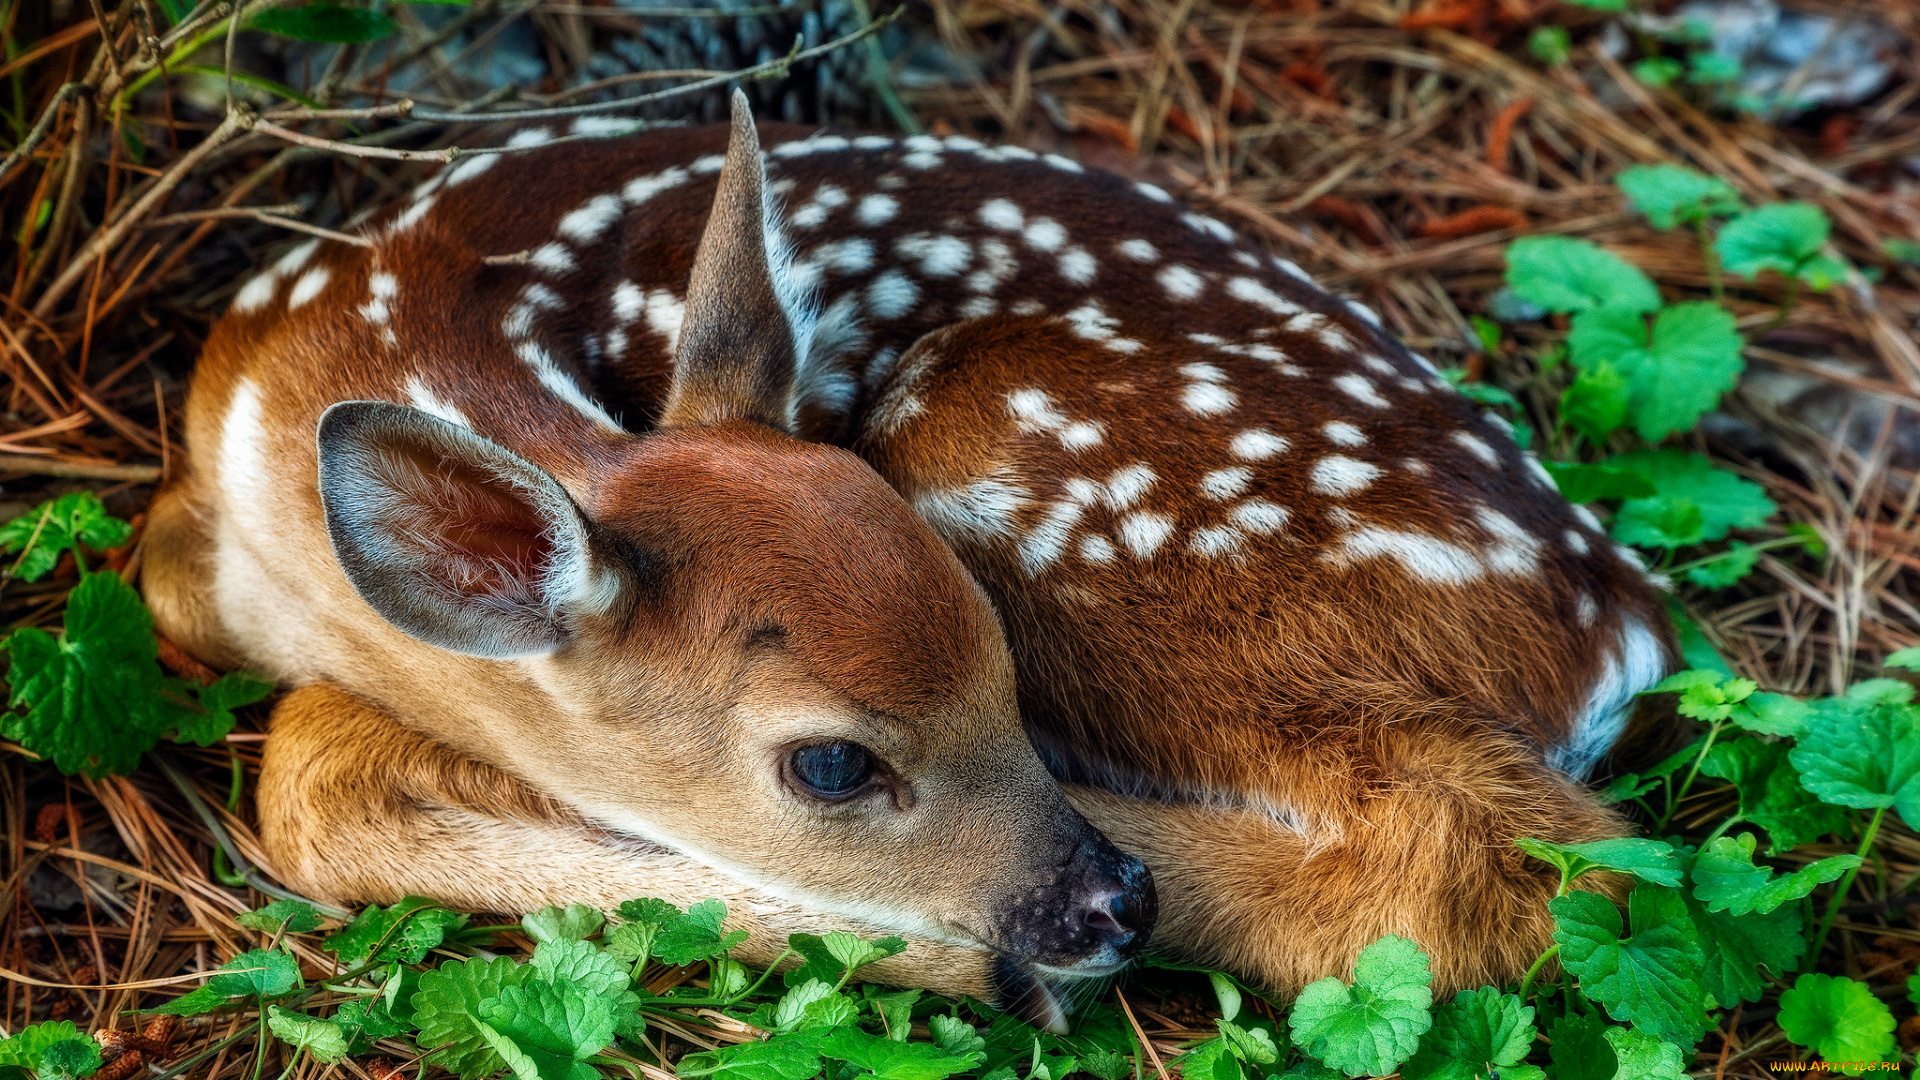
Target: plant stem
{"x": 1764, "y": 545}
{"x": 1721, "y": 830}
{"x": 1673, "y": 804}
{"x": 1526, "y": 983}
{"x": 1840, "y": 893}
{"x": 1710, "y": 257}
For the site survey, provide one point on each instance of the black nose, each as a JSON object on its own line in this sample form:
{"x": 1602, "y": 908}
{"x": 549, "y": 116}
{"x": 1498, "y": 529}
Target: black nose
{"x": 1122, "y": 914}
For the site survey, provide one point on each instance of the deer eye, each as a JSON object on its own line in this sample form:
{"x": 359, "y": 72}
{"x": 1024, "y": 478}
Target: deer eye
{"x": 832, "y": 770}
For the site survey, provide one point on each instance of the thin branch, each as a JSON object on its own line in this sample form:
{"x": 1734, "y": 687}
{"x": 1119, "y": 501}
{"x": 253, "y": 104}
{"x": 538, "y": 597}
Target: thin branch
{"x": 40, "y": 127}
{"x": 266, "y": 215}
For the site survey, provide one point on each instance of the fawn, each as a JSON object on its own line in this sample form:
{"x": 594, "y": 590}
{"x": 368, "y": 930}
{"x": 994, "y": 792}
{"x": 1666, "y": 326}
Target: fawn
{"x": 886, "y": 534}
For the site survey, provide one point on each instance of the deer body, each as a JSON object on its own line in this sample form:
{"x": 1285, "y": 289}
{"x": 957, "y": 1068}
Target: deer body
{"x": 1287, "y": 616}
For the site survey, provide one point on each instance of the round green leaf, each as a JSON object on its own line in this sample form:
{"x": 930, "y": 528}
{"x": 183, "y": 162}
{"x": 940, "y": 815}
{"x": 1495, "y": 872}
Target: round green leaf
{"x": 1837, "y": 1018}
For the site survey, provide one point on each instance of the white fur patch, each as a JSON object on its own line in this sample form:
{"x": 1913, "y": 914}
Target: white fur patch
{"x": 255, "y": 294}
{"x": 1575, "y": 542}
{"x": 891, "y": 295}
{"x": 1001, "y": 214}
{"x": 308, "y": 286}
{"x": 1044, "y": 542}
{"x": 1180, "y": 282}
{"x": 1259, "y": 516}
{"x": 1478, "y": 448}
{"x": 1044, "y": 234}
{"x": 1339, "y": 475}
{"x": 1208, "y": 399}
{"x": 982, "y": 510}
{"x": 1077, "y": 266}
{"x": 292, "y": 261}
{"x": 1342, "y": 433}
{"x": 1361, "y": 389}
{"x": 640, "y": 189}
{"x": 666, "y": 313}
{"x": 876, "y": 210}
{"x": 1138, "y": 250}
{"x": 1152, "y": 191}
{"x": 552, "y": 257}
{"x": 585, "y": 224}
{"x": 1127, "y": 484}
{"x": 1635, "y": 663}
{"x": 1514, "y": 550}
{"x": 428, "y": 402}
{"x": 1223, "y": 484}
{"x": 1211, "y": 226}
{"x": 627, "y": 303}
{"x": 1096, "y": 548}
{"x": 1253, "y": 292}
{"x": 1428, "y": 558}
{"x": 1214, "y": 541}
{"x": 1143, "y": 533}
{"x": 937, "y": 256}
{"x": 1257, "y": 444}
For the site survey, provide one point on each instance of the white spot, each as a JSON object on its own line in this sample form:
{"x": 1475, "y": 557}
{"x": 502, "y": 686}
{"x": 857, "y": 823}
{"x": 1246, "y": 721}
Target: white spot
{"x": 1575, "y": 542}
{"x": 1635, "y": 663}
{"x": 1259, "y": 516}
{"x": 712, "y": 163}
{"x": 1077, "y": 266}
{"x": 920, "y": 159}
{"x": 470, "y": 168}
{"x": 1344, "y": 434}
{"x": 1223, "y": 484}
{"x": 1478, "y": 448}
{"x": 1362, "y": 390}
{"x": 383, "y": 287}
{"x": 1257, "y": 444}
{"x": 1090, "y": 322}
{"x": 1028, "y": 306}
{"x": 1096, "y": 548}
{"x": 1514, "y": 550}
{"x": 602, "y": 127}
{"x": 584, "y": 225}
{"x": 1415, "y": 466}
{"x": 1426, "y": 557}
{"x": 243, "y": 444}
{"x": 979, "y": 307}
{"x": 428, "y": 402}
{"x": 1538, "y": 472}
{"x": 530, "y": 137}
{"x": 1058, "y": 162}
{"x": 873, "y": 142}
{"x": 552, "y": 257}
{"x": 640, "y": 189}
{"x": 1203, "y": 373}
{"x": 1291, "y": 269}
{"x": 1585, "y": 610}
{"x": 1208, "y": 399}
{"x": 982, "y": 510}
{"x": 255, "y": 293}
{"x": 1080, "y": 436}
{"x": 411, "y": 216}
{"x": 1041, "y": 234}
{"x": 308, "y": 286}
{"x": 1379, "y": 364}
{"x": 961, "y": 142}
{"x": 850, "y": 256}
{"x": 292, "y": 261}
{"x": 1356, "y": 307}
{"x": 890, "y": 295}
{"x": 1214, "y": 541}
{"x": 1588, "y": 519}
{"x": 813, "y": 145}
{"x": 1048, "y": 537}
{"x": 1337, "y": 474}
{"x": 876, "y": 210}
{"x": 998, "y": 264}
{"x": 938, "y": 256}
{"x": 666, "y": 313}
{"x": 1033, "y": 411}
{"x": 1180, "y": 282}
{"x": 1127, "y": 484}
{"x": 628, "y": 302}
{"x": 560, "y": 385}
{"x": 1142, "y": 533}
{"x": 1157, "y": 194}
{"x": 1257, "y": 294}
{"x": 1137, "y": 250}
{"x": 1211, "y": 226}
{"x": 1001, "y": 214}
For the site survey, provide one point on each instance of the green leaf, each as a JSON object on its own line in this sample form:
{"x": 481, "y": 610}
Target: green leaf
{"x": 856, "y": 954}
{"x": 298, "y": 916}
{"x": 1837, "y": 1018}
{"x": 574, "y": 922}
{"x": 1774, "y": 714}
{"x": 783, "y": 1057}
{"x": 1706, "y": 68}
{"x": 1657, "y": 71}
{"x": 1589, "y": 483}
{"x": 56, "y": 1050}
{"x": 1676, "y": 371}
{"x": 1863, "y": 751}
{"x": 1727, "y": 569}
{"x": 1778, "y": 236}
{"x": 1695, "y": 649}
{"x": 202, "y": 715}
{"x": 321, "y": 1038}
{"x": 890, "y": 1060}
{"x": 1551, "y": 45}
{"x": 1595, "y": 405}
{"x": 1249, "y": 1044}
{"x": 446, "y": 1010}
{"x": 1643, "y": 1057}
{"x": 254, "y": 973}
{"x": 1737, "y": 948}
{"x": 1373, "y": 1025}
{"x": 895, "y": 1010}
{"x": 1706, "y": 695}
{"x": 1904, "y": 658}
{"x": 696, "y": 935}
{"x": 1651, "y": 860}
{"x": 325, "y": 22}
{"x": 405, "y": 932}
{"x": 1671, "y": 195}
{"x": 1560, "y": 273}
{"x": 555, "y": 1026}
{"x": 1227, "y": 992}
{"x": 1478, "y": 1032}
{"x": 57, "y": 526}
{"x": 1726, "y": 879}
{"x": 1483, "y": 392}
{"x": 1580, "y": 1049}
{"x": 1725, "y": 501}
{"x": 955, "y": 1035}
{"x": 1107, "y": 1065}
{"x": 91, "y": 694}
{"x": 365, "y": 1021}
{"x": 1771, "y": 795}
{"x": 1668, "y": 521}
{"x": 1651, "y": 979}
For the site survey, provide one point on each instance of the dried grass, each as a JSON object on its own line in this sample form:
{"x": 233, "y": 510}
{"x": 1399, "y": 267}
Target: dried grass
{"x": 1392, "y": 151}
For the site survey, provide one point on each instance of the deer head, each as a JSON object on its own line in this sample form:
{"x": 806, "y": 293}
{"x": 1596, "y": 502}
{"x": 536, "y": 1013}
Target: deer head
{"x": 740, "y": 645}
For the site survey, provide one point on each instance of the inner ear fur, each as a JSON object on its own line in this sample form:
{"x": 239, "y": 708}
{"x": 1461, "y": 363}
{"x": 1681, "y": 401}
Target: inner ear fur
{"x": 451, "y": 537}
{"x": 748, "y": 325}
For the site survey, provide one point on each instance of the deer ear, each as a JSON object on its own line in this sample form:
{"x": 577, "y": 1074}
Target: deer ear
{"x": 748, "y": 324}
{"x": 453, "y": 538}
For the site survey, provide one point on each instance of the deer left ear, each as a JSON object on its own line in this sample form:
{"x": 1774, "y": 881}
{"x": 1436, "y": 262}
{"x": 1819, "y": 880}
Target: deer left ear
{"x": 749, "y": 324}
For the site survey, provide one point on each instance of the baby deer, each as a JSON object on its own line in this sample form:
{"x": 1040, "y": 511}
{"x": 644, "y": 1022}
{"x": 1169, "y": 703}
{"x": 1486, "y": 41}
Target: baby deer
{"x": 840, "y": 530}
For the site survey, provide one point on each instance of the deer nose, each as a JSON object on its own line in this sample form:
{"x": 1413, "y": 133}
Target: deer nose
{"x": 1122, "y": 914}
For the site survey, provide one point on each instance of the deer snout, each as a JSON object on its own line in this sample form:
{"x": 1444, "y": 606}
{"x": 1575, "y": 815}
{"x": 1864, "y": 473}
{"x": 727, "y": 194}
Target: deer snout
{"x": 1087, "y": 917}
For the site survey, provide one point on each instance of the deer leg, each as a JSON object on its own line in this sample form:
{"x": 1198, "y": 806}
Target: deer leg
{"x": 355, "y": 807}
{"x": 1284, "y": 897}
{"x": 177, "y": 566}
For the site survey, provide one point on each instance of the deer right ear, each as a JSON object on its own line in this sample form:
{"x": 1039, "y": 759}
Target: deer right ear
{"x": 452, "y": 538}
{"x": 748, "y": 324}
